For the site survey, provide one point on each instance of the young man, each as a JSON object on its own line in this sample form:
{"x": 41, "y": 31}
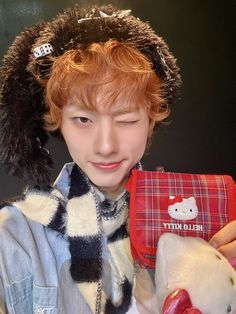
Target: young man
{"x": 100, "y": 79}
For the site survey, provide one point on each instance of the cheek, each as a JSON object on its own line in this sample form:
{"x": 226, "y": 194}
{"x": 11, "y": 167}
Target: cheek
{"x": 77, "y": 146}
{"x": 73, "y": 141}
{"x": 134, "y": 147}
{"x": 136, "y": 140}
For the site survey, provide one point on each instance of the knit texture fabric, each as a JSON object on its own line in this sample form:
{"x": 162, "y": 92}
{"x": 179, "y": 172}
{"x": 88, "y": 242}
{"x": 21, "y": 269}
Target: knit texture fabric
{"x": 101, "y": 262}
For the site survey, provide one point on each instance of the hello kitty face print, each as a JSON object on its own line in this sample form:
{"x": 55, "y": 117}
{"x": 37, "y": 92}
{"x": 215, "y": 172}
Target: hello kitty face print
{"x": 182, "y": 208}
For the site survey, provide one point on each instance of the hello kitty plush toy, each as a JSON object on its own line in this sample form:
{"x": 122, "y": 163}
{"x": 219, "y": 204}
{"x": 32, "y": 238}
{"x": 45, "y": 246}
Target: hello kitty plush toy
{"x": 193, "y": 278}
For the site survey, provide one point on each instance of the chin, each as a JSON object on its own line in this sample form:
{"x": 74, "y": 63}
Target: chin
{"x": 110, "y": 184}
{"x": 107, "y": 185}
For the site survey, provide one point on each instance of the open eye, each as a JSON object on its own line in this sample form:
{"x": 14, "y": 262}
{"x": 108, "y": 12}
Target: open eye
{"x": 81, "y": 120}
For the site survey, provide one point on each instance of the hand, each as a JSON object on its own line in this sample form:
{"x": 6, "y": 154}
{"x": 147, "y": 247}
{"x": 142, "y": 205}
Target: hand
{"x": 225, "y": 241}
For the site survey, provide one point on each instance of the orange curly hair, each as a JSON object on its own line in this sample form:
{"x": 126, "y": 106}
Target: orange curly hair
{"x": 112, "y": 68}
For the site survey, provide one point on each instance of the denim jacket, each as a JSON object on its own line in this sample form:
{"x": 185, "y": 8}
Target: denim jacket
{"x": 34, "y": 270}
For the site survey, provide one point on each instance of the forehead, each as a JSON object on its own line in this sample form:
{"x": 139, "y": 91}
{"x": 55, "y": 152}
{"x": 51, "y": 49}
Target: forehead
{"x": 104, "y": 98}
{"x": 115, "y": 109}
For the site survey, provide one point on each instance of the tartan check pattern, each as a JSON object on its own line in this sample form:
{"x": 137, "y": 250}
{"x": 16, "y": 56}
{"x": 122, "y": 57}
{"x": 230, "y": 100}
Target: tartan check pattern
{"x": 149, "y": 217}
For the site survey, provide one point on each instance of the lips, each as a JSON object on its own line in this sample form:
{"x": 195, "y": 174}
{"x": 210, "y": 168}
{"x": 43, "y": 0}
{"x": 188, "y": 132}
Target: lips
{"x": 107, "y": 165}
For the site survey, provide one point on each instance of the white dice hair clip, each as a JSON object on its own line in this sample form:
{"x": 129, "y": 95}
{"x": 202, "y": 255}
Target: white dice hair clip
{"x": 42, "y": 50}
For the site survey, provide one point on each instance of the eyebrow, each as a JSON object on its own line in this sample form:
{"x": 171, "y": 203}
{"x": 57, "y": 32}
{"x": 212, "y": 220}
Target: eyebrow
{"x": 122, "y": 111}
{"x": 112, "y": 112}
{"x": 78, "y": 106}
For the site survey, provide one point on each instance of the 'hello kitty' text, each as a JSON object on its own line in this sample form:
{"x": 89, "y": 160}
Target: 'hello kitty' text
{"x": 181, "y": 226}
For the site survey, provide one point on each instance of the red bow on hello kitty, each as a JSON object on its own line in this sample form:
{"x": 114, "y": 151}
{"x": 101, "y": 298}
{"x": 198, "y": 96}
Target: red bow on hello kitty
{"x": 175, "y": 199}
{"x": 179, "y": 302}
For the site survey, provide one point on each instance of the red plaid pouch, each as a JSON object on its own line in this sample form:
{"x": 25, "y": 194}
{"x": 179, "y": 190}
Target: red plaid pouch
{"x": 195, "y": 205}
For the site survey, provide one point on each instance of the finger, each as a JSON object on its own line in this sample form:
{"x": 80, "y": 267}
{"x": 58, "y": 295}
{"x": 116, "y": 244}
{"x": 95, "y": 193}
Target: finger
{"x": 228, "y": 250}
{"x": 225, "y": 235}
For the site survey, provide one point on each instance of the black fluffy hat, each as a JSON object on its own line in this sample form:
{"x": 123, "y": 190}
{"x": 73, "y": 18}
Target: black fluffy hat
{"x": 22, "y": 133}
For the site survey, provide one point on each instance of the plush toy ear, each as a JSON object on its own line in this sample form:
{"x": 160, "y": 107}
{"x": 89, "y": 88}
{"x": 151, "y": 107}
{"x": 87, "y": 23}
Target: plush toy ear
{"x": 166, "y": 243}
{"x": 176, "y": 261}
{"x": 170, "y": 249}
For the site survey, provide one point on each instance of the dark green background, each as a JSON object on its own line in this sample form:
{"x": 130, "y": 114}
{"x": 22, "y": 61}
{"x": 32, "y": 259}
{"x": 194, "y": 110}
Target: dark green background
{"x": 202, "y": 135}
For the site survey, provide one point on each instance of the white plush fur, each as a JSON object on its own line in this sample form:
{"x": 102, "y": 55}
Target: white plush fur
{"x": 192, "y": 264}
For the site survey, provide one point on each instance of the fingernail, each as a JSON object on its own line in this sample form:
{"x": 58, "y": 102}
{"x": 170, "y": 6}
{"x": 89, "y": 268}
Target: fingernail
{"x": 233, "y": 262}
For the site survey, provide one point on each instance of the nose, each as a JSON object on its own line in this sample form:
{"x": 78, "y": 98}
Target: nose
{"x": 106, "y": 139}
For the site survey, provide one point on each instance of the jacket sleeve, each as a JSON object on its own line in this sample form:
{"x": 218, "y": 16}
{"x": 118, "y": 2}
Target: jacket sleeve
{"x": 3, "y": 309}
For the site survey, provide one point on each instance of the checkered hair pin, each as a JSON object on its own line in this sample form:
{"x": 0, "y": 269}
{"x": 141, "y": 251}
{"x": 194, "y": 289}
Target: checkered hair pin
{"x": 43, "y": 50}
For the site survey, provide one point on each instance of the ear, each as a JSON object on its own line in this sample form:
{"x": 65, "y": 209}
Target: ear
{"x": 171, "y": 266}
{"x": 171, "y": 247}
{"x": 192, "y": 199}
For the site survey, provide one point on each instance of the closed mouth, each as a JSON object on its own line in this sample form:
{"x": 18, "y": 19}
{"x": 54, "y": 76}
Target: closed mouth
{"x": 107, "y": 165}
